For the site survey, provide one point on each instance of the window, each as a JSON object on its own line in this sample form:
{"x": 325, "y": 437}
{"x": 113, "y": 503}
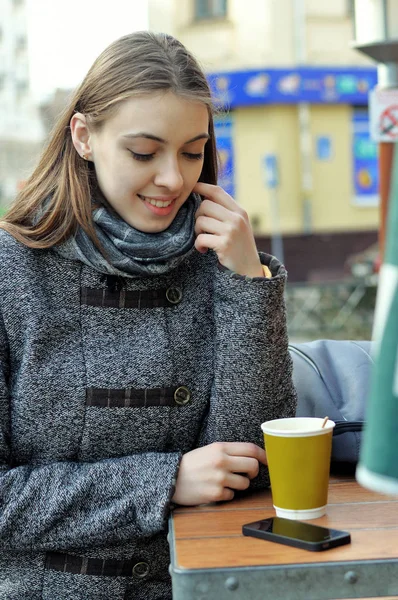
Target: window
{"x": 21, "y": 85}
{"x": 210, "y": 9}
{"x": 20, "y": 43}
{"x": 327, "y": 10}
{"x": 21, "y": 89}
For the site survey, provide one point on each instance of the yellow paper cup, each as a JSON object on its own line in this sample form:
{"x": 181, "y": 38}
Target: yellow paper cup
{"x": 298, "y": 454}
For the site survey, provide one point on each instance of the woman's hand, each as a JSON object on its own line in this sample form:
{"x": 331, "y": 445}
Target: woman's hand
{"x": 223, "y": 226}
{"x": 212, "y": 473}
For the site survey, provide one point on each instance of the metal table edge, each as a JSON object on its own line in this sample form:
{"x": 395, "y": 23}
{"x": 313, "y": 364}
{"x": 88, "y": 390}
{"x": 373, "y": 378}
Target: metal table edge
{"x": 348, "y": 579}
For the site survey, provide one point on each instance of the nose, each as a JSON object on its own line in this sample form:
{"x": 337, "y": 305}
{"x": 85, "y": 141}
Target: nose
{"x": 169, "y": 176}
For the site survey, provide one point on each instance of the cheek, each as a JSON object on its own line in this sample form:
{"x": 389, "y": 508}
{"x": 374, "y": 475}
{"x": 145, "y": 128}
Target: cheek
{"x": 198, "y": 173}
{"x": 116, "y": 175}
{"x": 193, "y": 173}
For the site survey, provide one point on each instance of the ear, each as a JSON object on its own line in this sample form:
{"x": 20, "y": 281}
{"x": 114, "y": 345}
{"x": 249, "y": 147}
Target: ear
{"x": 81, "y": 135}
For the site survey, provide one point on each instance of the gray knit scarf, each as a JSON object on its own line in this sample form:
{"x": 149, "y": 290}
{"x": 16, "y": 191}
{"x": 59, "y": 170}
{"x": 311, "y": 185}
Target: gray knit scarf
{"x": 132, "y": 253}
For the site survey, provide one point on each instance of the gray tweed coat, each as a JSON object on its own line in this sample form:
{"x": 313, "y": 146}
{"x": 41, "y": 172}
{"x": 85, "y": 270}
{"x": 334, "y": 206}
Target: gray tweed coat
{"x": 103, "y": 386}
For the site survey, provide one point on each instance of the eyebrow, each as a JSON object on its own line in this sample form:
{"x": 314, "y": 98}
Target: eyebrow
{"x": 149, "y": 136}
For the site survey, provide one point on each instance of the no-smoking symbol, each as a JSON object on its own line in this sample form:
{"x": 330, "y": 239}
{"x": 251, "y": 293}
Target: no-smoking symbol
{"x": 389, "y": 121}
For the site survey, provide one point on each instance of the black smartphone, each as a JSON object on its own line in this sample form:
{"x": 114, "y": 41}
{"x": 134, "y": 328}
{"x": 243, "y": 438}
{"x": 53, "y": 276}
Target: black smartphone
{"x": 296, "y": 533}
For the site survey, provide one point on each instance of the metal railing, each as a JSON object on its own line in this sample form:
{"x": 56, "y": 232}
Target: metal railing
{"x": 335, "y": 310}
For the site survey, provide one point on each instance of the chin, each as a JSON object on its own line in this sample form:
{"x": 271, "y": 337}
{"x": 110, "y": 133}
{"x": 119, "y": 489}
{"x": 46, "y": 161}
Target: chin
{"x": 149, "y": 227}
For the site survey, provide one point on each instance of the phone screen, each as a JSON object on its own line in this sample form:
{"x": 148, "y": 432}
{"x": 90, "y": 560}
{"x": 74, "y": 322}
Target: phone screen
{"x": 295, "y": 530}
{"x": 296, "y": 533}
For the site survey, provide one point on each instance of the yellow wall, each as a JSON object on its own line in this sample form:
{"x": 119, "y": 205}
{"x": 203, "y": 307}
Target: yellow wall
{"x": 267, "y": 130}
{"x": 257, "y": 33}
{"x": 333, "y": 193}
{"x": 274, "y": 130}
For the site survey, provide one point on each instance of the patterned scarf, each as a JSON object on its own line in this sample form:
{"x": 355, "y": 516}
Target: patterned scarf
{"x": 132, "y": 253}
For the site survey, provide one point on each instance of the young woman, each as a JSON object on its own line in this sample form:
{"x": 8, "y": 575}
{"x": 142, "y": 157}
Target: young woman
{"x": 142, "y": 337}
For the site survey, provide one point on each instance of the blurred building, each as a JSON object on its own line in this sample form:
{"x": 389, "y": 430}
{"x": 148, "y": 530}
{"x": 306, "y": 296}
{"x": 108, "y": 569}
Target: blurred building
{"x": 294, "y": 143}
{"x": 20, "y": 125}
{"x": 51, "y": 108}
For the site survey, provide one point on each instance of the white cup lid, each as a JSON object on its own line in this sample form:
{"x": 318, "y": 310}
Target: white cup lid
{"x": 297, "y": 427}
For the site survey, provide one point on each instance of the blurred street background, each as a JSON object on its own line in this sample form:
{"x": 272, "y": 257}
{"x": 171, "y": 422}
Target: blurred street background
{"x": 292, "y": 129}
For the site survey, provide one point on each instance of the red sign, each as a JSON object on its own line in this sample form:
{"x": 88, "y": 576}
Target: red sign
{"x": 389, "y": 121}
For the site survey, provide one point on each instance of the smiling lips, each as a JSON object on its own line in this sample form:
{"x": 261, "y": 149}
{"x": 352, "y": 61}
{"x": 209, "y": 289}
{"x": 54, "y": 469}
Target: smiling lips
{"x": 159, "y": 206}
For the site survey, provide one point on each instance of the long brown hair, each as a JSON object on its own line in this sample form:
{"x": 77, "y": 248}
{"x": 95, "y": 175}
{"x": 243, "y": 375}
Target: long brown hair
{"x": 57, "y": 196}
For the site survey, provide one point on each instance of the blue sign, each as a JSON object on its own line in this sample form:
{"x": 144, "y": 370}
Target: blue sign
{"x": 223, "y": 128}
{"x": 290, "y": 86}
{"x": 323, "y": 147}
{"x": 365, "y": 162}
{"x": 271, "y": 170}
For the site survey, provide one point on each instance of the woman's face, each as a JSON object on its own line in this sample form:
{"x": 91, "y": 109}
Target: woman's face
{"x": 148, "y": 156}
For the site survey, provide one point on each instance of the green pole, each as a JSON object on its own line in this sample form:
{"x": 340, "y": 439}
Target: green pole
{"x": 378, "y": 463}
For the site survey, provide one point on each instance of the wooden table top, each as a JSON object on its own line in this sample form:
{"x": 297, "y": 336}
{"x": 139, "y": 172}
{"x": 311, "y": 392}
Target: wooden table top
{"x": 210, "y": 536}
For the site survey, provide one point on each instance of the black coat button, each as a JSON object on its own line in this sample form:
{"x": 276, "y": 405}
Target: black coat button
{"x": 174, "y": 295}
{"x": 141, "y": 569}
{"x": 182, "y": 395}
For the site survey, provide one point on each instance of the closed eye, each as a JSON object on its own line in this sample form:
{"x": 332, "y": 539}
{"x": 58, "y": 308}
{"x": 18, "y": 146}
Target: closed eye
{"x": 191, "y": 156}
{"x": 147, "y": 157}
{"x": 142, "y": 157}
